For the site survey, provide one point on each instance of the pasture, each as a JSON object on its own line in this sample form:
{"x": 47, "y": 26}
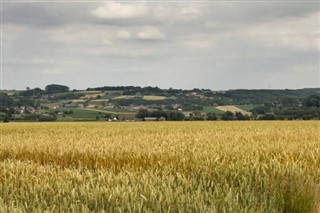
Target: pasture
{"x": 160, "y": 167}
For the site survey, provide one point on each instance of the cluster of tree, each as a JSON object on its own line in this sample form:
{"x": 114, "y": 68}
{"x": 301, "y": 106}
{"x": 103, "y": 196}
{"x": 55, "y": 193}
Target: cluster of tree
{"x": 287, "y": 108}
{"x": 56, "y": 88}
{"x": 312, "y": 101}
{"x": 187, "y": 103}
{"x": 168, "y": 115}
{"x": 132, "y": 90}
{"x": 178, "y": 116}
{"x": 36, "y": 92}
{"x": 9, "y": 101}
{"x": 50, "y": 116}
{"x": 229, "y": 116}
{"x": 67, "y": 96}
{"x": 6, "y": 100}
{"x": 192, "y": 103}
{"x": 286, "y": 97}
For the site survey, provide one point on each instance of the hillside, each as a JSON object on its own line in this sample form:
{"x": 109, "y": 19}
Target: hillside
{"x": 58, "y": 102}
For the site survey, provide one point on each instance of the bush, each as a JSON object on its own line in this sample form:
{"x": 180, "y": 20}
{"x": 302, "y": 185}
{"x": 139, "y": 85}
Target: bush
{"x": 46, "y": 117}
{"x": 268, "y": 117}
{"x": 227, "y": 116}
{"x": 6, "y": 119}
{"x": 31, "y": 117}
{"x": 212, "y": 117}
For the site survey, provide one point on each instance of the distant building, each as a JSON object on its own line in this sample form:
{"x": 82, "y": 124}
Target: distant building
{"x": 162, "y": 118}
{"x": 109, "y": 106}
{"x": 30, "y": 110}
{"x": 150, "y": 119}
{"x": 188, "y": 114}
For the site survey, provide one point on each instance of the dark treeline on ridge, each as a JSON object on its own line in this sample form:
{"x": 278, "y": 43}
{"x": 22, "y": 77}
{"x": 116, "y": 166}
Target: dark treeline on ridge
{"x": 55, "y": 102}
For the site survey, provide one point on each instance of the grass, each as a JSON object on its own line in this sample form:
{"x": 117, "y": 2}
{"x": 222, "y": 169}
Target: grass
{"x": 209, "y": 109}
{"x": 160, "y": 167}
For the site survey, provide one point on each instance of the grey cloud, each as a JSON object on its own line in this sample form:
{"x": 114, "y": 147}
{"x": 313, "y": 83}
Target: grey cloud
{"x": 45, "y": 14}
{"x": 185, "y": 45}
{"x": 260, "y": 11}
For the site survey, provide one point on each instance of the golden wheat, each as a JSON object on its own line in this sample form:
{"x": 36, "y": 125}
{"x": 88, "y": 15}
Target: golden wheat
{"x": 160, "y": 167}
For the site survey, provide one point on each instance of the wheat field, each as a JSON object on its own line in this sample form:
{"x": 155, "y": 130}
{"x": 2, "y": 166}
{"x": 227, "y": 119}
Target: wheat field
{"x": 160, "y": 167}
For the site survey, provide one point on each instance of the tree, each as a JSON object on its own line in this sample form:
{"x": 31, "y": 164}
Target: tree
{"x": 241, "y": 117}
{"x": 180, "y": 116}
{"x": 6, "y": 100}
{"x": 31, "y": 92}
{"x": 227, "y": 116}
{"x": 6, "y": 119}
{"x": 47, "y": 117}
{"x": 289, "y": 101}
{"x": 142, "y": 113}
{"x": 313, "y": 101}
{"x": 108, "y": 116}
{"x": 260, "y": 110}
{"x": 211, "y": 116}
{"x": 55, "y": 88}
{"x": 268, "y": 117}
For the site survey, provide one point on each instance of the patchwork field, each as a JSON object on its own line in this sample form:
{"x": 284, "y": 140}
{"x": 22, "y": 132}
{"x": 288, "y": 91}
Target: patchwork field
{"x": 125, "y": 97}
{"x": 154, "y": 97}
{"x": 146, "y": 97}
{"x": 233, "y": 109}
{"x": 160, "y": 167}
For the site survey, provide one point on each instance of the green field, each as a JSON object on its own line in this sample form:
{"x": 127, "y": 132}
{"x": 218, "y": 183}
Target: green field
{"x": 209, "y": 109}
{"x": 85, "y": 114}
{"x": 248, "y": 107}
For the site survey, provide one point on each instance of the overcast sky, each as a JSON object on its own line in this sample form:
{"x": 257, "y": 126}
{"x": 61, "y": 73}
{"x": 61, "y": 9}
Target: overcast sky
{"x": 180, "y": 44}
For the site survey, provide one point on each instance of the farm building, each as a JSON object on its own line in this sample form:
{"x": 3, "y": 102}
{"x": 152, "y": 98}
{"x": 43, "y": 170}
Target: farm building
{"x": 150, "y": 119}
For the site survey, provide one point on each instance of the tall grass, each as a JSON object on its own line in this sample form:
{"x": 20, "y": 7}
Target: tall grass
{"x": 160, "y": 167}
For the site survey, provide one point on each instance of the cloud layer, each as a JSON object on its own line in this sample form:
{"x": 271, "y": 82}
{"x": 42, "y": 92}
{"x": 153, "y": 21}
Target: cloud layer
{"x": 216, "y": 45}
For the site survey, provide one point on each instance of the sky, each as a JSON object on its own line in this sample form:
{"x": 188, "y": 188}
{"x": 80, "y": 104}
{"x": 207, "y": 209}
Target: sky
{"x": 216, "y": 45}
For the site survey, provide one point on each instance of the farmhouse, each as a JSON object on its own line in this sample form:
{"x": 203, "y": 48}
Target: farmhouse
{"x": 150, "y": 119}
{"x": 188, "y": 114}
{"x": 162, "y": 118}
